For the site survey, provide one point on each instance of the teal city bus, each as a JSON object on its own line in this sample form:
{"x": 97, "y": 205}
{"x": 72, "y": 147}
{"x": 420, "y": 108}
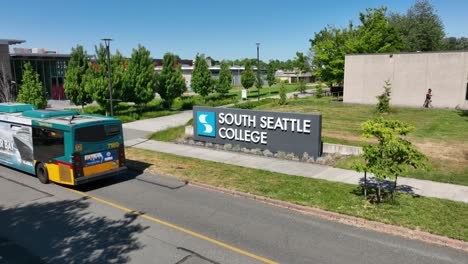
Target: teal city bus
{"x": 61, "y": 146}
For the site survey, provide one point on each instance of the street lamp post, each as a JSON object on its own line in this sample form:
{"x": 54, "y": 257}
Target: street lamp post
{"x": 107, "y": 43}
{"x": 258, "y": 71}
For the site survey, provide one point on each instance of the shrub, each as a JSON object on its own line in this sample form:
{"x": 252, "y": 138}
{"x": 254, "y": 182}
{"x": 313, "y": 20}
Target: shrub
{"x": 282, "y": 94}
{"x": 383, "y": 104}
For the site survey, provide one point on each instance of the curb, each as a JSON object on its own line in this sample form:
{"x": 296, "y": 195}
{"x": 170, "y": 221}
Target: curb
{"x": 346, "y": 219}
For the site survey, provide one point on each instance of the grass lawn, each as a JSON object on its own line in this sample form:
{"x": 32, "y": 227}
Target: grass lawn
{"x": 441, "y": 134}
{"x": 170, "y": 133}
{"x": 437, "y": 216}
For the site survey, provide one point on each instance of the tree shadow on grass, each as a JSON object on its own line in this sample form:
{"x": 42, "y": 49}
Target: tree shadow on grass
{"x": 463, "y": 113}
{"x": 386, "y": 186}
{"x": 65, "y": 232}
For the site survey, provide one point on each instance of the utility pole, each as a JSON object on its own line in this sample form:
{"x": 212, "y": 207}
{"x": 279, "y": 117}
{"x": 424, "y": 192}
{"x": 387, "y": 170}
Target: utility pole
{"x": 107, "y": 43}
{"x": 258, "y": 70}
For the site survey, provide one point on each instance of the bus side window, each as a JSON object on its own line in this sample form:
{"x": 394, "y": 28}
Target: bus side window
{"x": 48, "y": 144}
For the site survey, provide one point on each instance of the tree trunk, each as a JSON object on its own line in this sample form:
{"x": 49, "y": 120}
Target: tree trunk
{"x": 365, "y": 185}
{"x": 379, "y": 197}
{"x": 394, "y": 188}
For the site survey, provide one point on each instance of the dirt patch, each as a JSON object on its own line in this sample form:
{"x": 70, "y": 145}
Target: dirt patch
{"x": 444, "y": 151}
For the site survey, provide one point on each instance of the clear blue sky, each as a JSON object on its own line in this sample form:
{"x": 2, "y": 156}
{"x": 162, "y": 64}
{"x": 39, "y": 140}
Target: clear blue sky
{"x": 220, "y": 29}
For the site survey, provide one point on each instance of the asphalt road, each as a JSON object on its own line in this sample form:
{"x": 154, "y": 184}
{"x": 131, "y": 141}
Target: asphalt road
{"x": 179, "y": 223}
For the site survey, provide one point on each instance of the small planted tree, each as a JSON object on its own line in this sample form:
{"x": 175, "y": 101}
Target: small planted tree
{"x": 31, "y": 90}
{"x": 201, "y": 77}
{"x": 383, "y": 104}
{"x": 224, "y": 81}
{"x": 392, "y": 155}
{"x": 248, "y": 76}
{"x": 171, "y": 83}
{"x": 271, "y": 74}
{"x": 319, "y": 92}
{"x": 302, "y": 66}
{"x": 282, "y": 94}
{"x": 74, "y": 77}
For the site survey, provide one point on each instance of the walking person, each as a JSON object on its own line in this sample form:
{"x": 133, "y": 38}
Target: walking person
{"x": 428, "y": 101}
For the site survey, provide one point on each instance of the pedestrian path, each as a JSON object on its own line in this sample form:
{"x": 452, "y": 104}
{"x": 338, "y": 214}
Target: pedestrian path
{"x": 418, "y": 187}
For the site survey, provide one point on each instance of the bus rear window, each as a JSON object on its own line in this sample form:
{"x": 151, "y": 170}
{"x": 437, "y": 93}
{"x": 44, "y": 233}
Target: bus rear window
{"x": 95, "y": 133}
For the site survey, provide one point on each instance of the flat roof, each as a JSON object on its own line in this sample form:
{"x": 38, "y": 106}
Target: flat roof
{"x": 407, "y": 52}
{"x": 11, "y": 41}
{"x": 39, "y": 55}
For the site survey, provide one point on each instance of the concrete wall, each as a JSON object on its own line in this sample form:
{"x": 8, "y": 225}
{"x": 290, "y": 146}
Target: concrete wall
{"x": 410, "y": 74}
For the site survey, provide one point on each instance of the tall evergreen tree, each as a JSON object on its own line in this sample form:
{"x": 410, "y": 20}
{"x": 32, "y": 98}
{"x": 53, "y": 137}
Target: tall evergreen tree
{"x": 96, "y": 79}
{"x": 73, "y": 84}
{"x": 248, "y": 76}
{"x": 140, "y": 77}
{"x": 31, "y": 90}
{"x": 171, "y": 83}
{"x": 225, "y": 79}
{"x": 201, "y": 77}
{"x": 271, "y": 74}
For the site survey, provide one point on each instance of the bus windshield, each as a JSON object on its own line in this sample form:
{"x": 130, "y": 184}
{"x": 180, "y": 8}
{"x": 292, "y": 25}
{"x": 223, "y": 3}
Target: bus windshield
{"x": 96, "y": 133}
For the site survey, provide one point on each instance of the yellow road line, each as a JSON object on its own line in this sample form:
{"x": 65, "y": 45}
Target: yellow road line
{"x": 159, "y": 221}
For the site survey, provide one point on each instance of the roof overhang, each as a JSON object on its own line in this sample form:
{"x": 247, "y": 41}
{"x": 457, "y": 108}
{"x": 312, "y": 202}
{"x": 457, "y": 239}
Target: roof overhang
{"x": 11, "y": 41}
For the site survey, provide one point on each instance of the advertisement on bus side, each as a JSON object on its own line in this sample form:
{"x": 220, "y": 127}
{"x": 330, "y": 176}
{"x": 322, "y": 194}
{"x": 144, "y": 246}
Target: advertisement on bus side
{"x": 16, "y": 148}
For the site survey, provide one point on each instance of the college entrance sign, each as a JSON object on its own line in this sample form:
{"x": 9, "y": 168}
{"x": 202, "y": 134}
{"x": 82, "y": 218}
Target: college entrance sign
{"x": 275, "y": 131}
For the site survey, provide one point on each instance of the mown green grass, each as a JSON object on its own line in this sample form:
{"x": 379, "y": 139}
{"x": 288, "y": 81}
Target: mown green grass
{"x": 440, "y": 133}
{"x": 437, "y": 216}
{"x": 436, "y": 124}
{"x": 170, "y": 134}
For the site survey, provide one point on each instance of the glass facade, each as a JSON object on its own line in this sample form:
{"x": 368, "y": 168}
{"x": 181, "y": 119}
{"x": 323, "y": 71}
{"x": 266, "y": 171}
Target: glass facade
{"x": 51, "y": 69}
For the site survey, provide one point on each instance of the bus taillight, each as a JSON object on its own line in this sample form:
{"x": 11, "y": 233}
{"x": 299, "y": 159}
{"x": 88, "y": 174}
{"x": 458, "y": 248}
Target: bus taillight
{"x": 77, "y": 166}
{"x": 122, "y": 156}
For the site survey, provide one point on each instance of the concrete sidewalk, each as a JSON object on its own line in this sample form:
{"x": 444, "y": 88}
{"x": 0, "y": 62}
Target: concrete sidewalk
{"x": 419, "y": 187}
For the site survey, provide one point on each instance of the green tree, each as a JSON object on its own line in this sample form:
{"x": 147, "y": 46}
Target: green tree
{"x": 31, "y": 90}
{"x": 373, "y": 35}
{"x": 76, "y": 70}
{"x": 301, "y": 66}
{"x": 201, "y": 77}
{"x": 376, "y": 35}
{"x": 319, "y": 92}
{"x": 224, "y": 81}
{"x": 271, "y": 74}
{"x": 329, "y": 47}
{"x": 383, "y": 100}
{"x": 119, "y": 66}
{"x": 140, "y": 77}
{"x": 393, "y": 155}
{"x": 248, "y": 76}
{"x": 421, "y": 28}
{"x": 452, "y": 43}
{"x": 282, "y": 94}
{"x": 171, "y": 83}
{"x": 96, "y": 81}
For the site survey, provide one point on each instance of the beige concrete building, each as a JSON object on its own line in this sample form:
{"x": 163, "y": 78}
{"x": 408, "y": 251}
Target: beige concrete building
{"x": 410, "y": 74}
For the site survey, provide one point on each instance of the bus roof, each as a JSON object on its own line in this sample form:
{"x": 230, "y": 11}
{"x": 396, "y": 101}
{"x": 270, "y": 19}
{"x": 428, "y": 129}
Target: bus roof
{"x": 60, "y": 119}
{"x": 15, "y": 107}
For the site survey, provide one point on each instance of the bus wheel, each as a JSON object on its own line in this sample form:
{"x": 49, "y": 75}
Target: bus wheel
{"x": 42, "y": 174}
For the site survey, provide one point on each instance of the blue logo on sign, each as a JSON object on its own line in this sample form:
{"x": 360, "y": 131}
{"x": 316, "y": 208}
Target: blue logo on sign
{"x": 206, "y": 124}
